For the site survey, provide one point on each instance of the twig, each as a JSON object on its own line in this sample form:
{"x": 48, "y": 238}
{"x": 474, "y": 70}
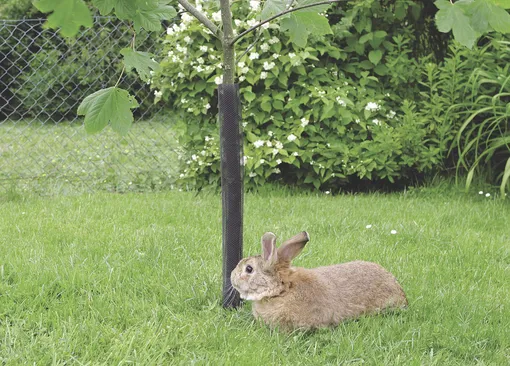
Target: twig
{"x": 241, "y": 35}
{"x": 201, "y": 18}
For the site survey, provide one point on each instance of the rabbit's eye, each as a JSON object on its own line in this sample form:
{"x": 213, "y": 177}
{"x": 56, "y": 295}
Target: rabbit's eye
{"x": 249, "y": 269}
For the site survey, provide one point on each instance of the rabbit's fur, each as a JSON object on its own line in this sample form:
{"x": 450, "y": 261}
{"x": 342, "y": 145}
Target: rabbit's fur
{"x": 292, "y": 297}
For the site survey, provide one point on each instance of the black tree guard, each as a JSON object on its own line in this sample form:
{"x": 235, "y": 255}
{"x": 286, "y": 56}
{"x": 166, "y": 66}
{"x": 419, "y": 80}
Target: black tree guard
{"x": 231, "y": 186}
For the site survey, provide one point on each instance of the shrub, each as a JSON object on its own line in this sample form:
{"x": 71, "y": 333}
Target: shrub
{"x": 332, "y": 113}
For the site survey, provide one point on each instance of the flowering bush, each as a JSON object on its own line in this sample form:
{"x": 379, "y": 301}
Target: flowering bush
{"x": 322, "y": 115}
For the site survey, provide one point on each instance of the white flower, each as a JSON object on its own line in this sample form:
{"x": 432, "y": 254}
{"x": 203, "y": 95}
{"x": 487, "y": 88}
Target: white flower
{"x": 276, "y": 170}
{"x": 184, "y": 100}
{"x": 194, "y": 157}
{"x": 376, "y": 121}
{"x": 255, "y": 5}
{"x": 199, "y": 68}
{"x": 304, "y": 122}
{"x": 357, "y": 120}
{"x": 258, "y": 143}
{"x": 278, "y": 161}
{"x": 369, "y": 226}
{"x": 481, "y": 192}
{"x": 187, "y": 39}
{"x": 327, "y": 192}
{"x": 200, "y": 60}
{"x": 217, "y": 16}
{"x": 203, "y": 48}
{"x": 245, "y": 70}
{"x": 252, "y": 22}
{"x": 158, "y": 94}
{"x": 264, "y": 47}
{"x": 274, "y": 40}
{"x": 244, "y": 160}
{"x": 238, "y": 22}
{"x": 391, "y": 114}
{"x": 487, "y": 194}
{"x": 207, "y": 106}
{"x": 241, "y": 64}
{"x": 295, "y": 153}
{"x": 341, "y": 101}
{"x": 270, "y": 133}
{"x": 268, "y": 65}
{"x": 254, "y": 56}
{"x": 275, "y": 151}
{"x": 262, "y": 161}
{"x": 292, "y": 55}
{"x": 202, "y": 152}
{"x": 244, "y": 124}
{"x": 242, "y": 78}
{"x": 180, "y": 75}
{"x": 291, "y": 137}
{"x": 169, "y": 31}
{"x": 269, "y": 144}
{"x": 263, "y": 75}
{"x": 218, "y": 79}
{"x": 372, "y": 107}
{"x": 393, "y": 232}
{"x": 278, "y": 145}
{"x": 252, "y": 175}
{"x": 207, "y": 138}
{"x": 186, "y": 18}
{"x": 276, "y": 55}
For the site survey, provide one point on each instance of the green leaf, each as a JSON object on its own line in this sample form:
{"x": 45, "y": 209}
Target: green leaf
{"x": 301, "y": 24}
{"x": 505, "y": 4}
{"x": 105, "y": 7}
{"x": 108, "y": 105}
{"x": 485, "y": 16}
{"x": 149, "y": 17}
{"x": 68, "y": 15}
{"x": 452, "y": 17}
{"x": 375, "y": 56}
{"x": 506, "y": 177}
{"x": 272, "y": 7}
{"x": 140, "y": 61}
{"x": 318, "y": 8}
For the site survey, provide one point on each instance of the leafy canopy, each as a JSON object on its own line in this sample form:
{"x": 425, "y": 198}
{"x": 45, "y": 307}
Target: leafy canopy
{"x": 469, "y": 19}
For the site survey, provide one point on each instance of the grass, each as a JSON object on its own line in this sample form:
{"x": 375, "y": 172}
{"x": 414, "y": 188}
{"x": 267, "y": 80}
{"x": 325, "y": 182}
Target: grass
{"x": 61, "y": 158}
{"x": 110, "y": 279}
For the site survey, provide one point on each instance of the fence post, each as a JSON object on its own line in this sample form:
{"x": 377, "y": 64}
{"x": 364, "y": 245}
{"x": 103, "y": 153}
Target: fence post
{"x": 231, "y": 186}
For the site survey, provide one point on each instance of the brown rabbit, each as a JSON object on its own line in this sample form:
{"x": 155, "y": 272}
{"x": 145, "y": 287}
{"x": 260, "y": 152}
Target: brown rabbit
{"x": 292, "y": 297}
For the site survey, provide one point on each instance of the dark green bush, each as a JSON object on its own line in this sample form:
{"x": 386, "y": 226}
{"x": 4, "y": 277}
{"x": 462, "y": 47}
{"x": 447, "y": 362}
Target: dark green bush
{"x": 339, "y": 111}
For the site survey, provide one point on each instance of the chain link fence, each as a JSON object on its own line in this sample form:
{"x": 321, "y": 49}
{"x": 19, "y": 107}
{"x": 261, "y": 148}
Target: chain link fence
{"x": 43, "y": 145}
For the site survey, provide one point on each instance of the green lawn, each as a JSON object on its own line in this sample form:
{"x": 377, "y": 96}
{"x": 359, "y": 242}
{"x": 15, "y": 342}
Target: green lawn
{"x": 59, "y": 158}
{"x": 110, "y": 279}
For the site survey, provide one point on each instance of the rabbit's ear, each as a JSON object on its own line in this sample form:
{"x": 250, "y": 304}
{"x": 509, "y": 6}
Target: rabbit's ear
{"x": 292, "y": 247}
{"x": 269, "y": 253}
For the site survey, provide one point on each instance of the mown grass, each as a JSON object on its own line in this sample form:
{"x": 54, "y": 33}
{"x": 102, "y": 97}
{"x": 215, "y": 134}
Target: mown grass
{"x": 51, "y": 158}
{"x": 110, "y": 279}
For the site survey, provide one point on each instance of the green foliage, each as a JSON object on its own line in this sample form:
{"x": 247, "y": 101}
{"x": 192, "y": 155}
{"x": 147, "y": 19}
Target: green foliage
{"x": 338, "y": 111}
{"x": 140, "y": 61}
{"x": 112, "y": 105}
{"x": 68, "y": 15}
{"x": 466, "y": 98}
{"x": 469, "y": 19}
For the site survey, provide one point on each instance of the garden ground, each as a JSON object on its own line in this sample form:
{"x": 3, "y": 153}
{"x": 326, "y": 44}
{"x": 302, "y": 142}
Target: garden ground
{"x": 110, "y": 279}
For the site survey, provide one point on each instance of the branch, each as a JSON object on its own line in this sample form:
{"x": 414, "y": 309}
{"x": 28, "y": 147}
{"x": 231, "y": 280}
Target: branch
{"x": 201, "y": 18}
{"x": 241, "y": 35}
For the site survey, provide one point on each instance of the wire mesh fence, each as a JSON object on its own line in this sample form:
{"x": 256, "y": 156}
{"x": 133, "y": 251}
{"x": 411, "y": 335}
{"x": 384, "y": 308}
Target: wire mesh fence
{"x": 43, "y": 145}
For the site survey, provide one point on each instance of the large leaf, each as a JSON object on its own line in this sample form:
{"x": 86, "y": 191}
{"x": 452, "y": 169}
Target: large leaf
{"x": 375, "y": 56}
{"x": 505, "y": 4}
{"x": 146, "y": 14}
{"x": 318, "y": 8}
{"x": 272, "y": 7}
{"x": 140, "y": 61}
{"x": 485, "y": 17}
{"x": 452, "y": 17}
{"x": 68, "y": 15}
{"x": 301, "y": 24}
{"x": 111, "y": 105}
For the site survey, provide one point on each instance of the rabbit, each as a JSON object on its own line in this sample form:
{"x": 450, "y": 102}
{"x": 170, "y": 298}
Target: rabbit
{"x": 298, "y": 298}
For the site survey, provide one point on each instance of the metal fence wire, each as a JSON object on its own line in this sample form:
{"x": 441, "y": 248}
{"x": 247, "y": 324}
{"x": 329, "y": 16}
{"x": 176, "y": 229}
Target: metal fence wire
{"x": 43, "y": 145}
